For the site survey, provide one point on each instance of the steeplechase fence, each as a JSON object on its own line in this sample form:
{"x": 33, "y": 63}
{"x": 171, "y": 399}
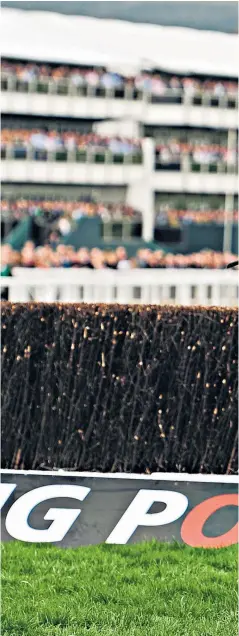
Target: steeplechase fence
{"x": 119, "y": 388}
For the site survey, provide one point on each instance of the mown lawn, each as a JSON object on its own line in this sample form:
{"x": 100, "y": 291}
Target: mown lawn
{"x": 138, "y": 590}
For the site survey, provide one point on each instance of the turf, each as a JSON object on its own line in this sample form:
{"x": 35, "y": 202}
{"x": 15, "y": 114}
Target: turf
{"x": 138, "y": 590}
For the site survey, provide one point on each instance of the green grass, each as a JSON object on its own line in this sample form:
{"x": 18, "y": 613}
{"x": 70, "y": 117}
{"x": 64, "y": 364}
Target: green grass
{"x": 139, "y": 590}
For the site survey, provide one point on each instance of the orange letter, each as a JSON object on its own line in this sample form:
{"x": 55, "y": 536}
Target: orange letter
{"x": 192, "y": 527}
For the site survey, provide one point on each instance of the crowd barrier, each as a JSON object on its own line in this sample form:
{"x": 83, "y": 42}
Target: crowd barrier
{"x": 119, "y": 388}
{"x": 174, "y": 286}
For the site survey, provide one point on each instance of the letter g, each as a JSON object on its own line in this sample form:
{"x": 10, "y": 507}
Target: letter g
{"x": 63, "y": 518}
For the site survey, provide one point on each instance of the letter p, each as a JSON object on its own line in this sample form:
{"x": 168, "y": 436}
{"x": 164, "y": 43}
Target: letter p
{"x": 137, "y": 513}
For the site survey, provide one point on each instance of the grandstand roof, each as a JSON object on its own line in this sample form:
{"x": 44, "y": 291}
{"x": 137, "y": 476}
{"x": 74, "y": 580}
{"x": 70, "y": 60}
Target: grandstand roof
{"x": 121, "y": 46}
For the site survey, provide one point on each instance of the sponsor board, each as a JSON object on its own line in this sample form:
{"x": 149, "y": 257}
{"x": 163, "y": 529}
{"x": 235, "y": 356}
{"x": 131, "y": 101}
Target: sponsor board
{"x": 72, "y": 509}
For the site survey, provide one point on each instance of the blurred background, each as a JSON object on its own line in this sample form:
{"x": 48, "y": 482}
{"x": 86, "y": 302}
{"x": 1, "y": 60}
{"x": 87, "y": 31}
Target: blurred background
{"x": 119, "y": 152}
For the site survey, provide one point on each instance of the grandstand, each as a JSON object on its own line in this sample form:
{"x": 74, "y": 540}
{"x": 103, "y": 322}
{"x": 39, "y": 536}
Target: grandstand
{"x": 118, "y": 149}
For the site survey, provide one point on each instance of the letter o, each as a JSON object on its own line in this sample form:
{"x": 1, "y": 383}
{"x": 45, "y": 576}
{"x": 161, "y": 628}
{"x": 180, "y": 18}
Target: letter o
{"x": 192, "y": 527}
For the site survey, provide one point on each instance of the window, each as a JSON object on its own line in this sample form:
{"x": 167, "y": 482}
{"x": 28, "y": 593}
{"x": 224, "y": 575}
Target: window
{"x": 124, "y": 229}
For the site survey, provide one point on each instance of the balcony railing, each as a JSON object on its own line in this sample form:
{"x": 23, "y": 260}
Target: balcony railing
{"x": 81, "y": 155}
{"x": 90, "y": 155}
{"x": 65, "y": 87}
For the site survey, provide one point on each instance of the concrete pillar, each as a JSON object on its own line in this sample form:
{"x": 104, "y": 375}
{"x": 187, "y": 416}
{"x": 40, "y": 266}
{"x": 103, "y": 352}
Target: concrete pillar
{"x": 231, "y": 145}
{"x": 229, "y": 200}
{"x": 140, "y": 194}
{"x": 228, "y": 223}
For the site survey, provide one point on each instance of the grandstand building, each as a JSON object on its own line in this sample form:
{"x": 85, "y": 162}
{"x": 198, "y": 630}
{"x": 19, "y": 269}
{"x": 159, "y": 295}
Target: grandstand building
{"x": 138, "y": 148}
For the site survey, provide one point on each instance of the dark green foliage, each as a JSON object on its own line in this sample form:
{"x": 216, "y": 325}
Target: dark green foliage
{"x": 119, "y": 388}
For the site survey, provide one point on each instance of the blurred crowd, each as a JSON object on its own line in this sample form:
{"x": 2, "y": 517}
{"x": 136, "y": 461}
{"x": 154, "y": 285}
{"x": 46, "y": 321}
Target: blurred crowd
{"x": 53, "y": 210}
{"x": 54, "y": 254}
{"x": 40, "y": 139}
{"x": 154, "y": 83}
{"x": 62, "y": 214}
{"x": 175, "y": 218}
{"x": 172, "y": 151}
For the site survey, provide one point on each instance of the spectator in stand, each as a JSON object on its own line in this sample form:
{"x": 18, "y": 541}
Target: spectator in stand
{"x": 82, "y": 258}
{"x": 27, "y": 255}
{"x": 122, "y": 258}
{"x": 54, "y": 239}
{"x": 7, "y": 260}
{"x": 97, "y": 258}
{"x": 142, "y": 258}
{"x": 110, "y": 260}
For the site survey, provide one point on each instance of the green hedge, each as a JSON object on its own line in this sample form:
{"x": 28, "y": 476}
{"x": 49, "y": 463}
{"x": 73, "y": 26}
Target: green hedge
{"x": 119, "y": 388}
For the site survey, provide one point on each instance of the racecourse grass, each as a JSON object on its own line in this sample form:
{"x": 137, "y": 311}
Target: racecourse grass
{"x": 149, "y": 589}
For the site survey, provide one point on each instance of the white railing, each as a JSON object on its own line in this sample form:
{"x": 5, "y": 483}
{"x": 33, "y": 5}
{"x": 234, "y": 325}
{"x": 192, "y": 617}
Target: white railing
{"x": 66, "y": 100}
{"x": 126, "y": 173}
{"x": 104, "y": 156}
{"x": 65, "y": 86}
{"x": 173, "y": 286}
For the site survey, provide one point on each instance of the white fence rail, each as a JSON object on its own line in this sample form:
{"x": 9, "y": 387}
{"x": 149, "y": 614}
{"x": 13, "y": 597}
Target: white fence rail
{"x": 134, "y": 105}
{"x": 186, "y": 287}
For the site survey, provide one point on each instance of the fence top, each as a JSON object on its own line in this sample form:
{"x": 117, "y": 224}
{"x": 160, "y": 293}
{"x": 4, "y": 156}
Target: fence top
{"x": 176, "y": 477}
{"x": 127, "y": 277}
